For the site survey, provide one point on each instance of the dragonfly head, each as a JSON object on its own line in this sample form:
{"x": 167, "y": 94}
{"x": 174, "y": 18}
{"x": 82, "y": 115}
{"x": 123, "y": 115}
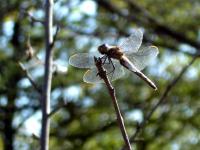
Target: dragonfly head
{"x": 103, "y": 49}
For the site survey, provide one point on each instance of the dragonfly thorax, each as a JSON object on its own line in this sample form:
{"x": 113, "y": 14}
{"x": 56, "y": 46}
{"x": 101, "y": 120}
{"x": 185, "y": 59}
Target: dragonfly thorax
{"x": 111, "y": 51}
{"x": 115, "y": 52}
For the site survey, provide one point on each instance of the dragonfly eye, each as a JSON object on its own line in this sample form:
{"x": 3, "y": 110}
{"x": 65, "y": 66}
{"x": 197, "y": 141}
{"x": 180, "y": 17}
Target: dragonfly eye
{"x": 103, "y": 49}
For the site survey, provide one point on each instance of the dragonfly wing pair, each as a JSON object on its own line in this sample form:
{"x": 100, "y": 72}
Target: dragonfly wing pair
{"x": 86, "y": 60}
{"x": 138, "y": 58}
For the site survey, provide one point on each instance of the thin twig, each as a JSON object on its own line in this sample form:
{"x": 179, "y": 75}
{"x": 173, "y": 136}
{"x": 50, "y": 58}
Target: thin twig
{"x": 57, "y": 108}
{"x": 170, "y": 86}
{"x": 25, "y": 119}
{"x": 147, "y": 39}
{"x": 156, "y": 25}
{"x": 30, "y": 78}
{"x": 33, "y": 19}
{"x": 102, "y": 74}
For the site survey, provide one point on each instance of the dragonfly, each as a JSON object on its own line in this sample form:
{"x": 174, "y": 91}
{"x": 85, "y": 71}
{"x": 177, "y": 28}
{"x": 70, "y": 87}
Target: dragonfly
{"x": 128, "y": 54}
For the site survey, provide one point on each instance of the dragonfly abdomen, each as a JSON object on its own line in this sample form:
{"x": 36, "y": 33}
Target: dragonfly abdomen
{"x": 145, "y": 78}
{"x": 128, "y": 64}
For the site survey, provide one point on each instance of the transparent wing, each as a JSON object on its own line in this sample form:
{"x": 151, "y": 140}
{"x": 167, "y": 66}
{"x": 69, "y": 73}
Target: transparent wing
{"x": 83, "y": 60}
{"x": 91, "y": 75}
{"x": 143, "y": 57}
{"x": 133, "y": 42}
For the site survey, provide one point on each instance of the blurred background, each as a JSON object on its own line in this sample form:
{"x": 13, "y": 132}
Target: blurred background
{"x": 84, "y": 117}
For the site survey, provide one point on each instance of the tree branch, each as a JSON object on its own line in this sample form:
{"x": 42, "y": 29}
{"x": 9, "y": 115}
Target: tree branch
{"x": 160, "y": 27}
{"x": 44, "y": 139}
{"x": 33, "y": 19}
{"x": 169, "y": 87}
{"x": 30, "y": 78}
{"x": 156, "y": 25}
{"x": 102, "y": 74}
{"x": 57, "y": 108}
{"x": 25, "y": 119}
{"x": 146, "y": 39}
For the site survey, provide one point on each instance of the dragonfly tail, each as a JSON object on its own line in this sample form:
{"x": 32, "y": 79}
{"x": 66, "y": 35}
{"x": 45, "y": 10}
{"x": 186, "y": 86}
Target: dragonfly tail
{"x": 145, "y": 78}
{"x": 127, "y": 64}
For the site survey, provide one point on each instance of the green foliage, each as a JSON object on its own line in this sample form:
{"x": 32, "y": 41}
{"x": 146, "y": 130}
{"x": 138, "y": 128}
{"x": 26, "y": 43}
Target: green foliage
{"x": 88, "y": 121}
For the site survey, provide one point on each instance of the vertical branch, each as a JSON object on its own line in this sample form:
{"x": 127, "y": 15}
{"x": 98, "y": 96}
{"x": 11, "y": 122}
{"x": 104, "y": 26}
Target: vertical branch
{"x": 102, "y": 74}
{"x": 47, "y": 74}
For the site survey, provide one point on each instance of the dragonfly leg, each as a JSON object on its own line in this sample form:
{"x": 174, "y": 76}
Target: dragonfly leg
{"x": 113, "y": 70}
{"x": 104, "y": 58}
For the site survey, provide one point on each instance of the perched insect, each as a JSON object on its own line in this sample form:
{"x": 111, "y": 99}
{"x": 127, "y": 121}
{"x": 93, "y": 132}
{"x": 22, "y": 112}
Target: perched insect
{"x": 114, "y": 58}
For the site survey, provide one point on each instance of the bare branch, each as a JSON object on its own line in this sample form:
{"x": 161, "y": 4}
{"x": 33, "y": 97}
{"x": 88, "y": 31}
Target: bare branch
{"x": 44, "y": 139}
{"x": 25, "y": 119}
{"x": 170, "y": 86}
{"x": 156, "y": 25}
{"x": 102, "y": 74}
{"x": 33, "y": 19}
{"x": 30, "y": 78}
{"x": 146, "y": 38}
{"x": 56, "y": 109}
